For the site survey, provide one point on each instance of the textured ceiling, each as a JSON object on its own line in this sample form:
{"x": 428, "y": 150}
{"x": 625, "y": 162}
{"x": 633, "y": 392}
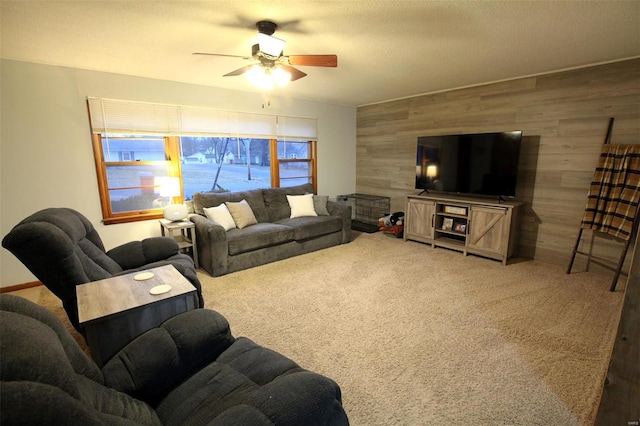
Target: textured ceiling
{"x": 386, "y": 49}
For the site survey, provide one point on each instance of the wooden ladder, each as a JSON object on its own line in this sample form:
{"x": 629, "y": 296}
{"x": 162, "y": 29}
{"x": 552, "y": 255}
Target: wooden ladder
{"x": 600, "y": 261}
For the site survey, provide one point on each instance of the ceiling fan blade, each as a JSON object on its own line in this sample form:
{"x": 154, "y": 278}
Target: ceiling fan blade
{"x": 221, "y": 54}
{"x": 239, "y": 71}
{"x": 314, "y": 60}
{"x": 295, "y": 73}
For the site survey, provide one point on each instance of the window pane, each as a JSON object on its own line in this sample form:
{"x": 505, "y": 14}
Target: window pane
{"x": 132, "y": 148}
{"x": 137, "y": 176}
{"x": 295, "y": 173}
{"x": 121, "y": 203}
{"x": 284, "y": 183}
{"x": 224, "y": 164}
{"x": 132, "y": 188}
{"x": 293, "y": 149}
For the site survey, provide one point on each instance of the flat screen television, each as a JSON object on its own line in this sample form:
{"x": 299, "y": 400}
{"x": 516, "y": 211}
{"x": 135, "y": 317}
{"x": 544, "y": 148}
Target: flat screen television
{"x": 482, "y": 164}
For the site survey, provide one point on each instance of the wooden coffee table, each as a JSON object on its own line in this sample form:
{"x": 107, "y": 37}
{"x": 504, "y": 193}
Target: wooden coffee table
{"x": 114, "y": 311}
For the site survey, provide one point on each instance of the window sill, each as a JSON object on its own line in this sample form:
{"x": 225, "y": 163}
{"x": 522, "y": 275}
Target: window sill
{"x": 136, "y": 217}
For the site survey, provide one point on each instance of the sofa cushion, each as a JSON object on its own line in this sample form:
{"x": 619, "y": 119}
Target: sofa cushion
{"x": 301, "y": 205}
{"x": 34, "y": 403}
{"x": 312, "y": 226}
{"x": 275, "y": 200}
{"x": 211, "y": 199}
{"x": 258, "y": 236}
{"x": 320, "y": 205}
{"x": 114, "y": 404}
{"x": 24, "y": 358}
{"x": 34, "y": 356}
{"x": 181, "y": 346}
{"x": 242, "y": 214}
{"x": 80, "y": 361}
{"x": 220, "y": 215}
{"x": 252, "y": 385}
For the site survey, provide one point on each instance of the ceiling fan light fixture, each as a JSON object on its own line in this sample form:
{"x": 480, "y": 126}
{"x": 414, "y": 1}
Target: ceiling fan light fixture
{"x": 271, "y": 46}
{"x": 267, "y": 79}
{"x": 270, "y": 66}
{"x": 280, "y": 76}
{"x": 259, "y": 78}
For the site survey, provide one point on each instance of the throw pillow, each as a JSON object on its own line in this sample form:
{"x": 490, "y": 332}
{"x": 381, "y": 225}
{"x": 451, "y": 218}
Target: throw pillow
{"x": 320, "y": 204}
{"x": 301, "y": 205}
{"x": 242, "y": 214}
{"x": 221, "y": 216}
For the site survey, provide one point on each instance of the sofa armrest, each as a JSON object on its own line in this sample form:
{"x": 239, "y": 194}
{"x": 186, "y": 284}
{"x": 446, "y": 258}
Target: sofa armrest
{"x": 138, "y": 253}
{"x": 344, "y": 212}
{"x": 157, "y": 361}
{"x": 213, "y": 246}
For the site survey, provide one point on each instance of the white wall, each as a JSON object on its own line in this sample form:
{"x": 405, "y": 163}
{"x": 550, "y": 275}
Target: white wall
{"x": 45, "y": 146}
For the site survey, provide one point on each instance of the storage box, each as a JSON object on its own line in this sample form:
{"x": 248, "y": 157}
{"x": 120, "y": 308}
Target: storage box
{"x": 455, "y": 210}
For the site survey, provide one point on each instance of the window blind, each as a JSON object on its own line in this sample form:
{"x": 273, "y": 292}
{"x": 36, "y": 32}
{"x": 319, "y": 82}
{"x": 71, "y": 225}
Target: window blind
{"x": 296, "y": 128}
{"x": 125, "y": 117}
{"x": 113, "y": 116}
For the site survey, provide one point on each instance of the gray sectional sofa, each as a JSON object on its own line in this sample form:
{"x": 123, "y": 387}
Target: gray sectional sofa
{"x": 275, "y": 236}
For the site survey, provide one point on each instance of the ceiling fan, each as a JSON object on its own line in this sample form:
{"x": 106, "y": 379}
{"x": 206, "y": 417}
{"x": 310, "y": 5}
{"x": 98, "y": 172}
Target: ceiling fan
{"x": 270, "y": 67}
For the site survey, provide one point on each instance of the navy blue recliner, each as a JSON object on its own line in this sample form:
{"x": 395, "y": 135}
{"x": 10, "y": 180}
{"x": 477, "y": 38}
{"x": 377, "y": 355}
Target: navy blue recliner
{"x": 63, "y": 249}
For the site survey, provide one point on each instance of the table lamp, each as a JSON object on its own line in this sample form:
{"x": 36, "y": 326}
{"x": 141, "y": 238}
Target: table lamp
{"x": 170, "y": 187}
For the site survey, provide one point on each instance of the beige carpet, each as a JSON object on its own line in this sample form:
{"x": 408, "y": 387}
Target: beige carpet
{"x": 422, "y": 336}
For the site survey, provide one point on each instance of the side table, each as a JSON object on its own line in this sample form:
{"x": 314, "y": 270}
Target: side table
{"x": 184, "y": 232}
{"x": 114, "y": 311}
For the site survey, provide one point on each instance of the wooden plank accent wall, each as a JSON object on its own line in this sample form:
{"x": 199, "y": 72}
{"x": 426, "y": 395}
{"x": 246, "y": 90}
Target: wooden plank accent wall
{"x": 621, "y": 391}
{"x": 564, "y": 118}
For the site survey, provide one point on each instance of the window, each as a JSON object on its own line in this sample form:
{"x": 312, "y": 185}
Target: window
{"x": 127, "y": 168}
{"x": 239, "y": 164}
{"x": 224, "y": 164}
{"x": 296, "y": 162}
{"x": 207, "y": 149}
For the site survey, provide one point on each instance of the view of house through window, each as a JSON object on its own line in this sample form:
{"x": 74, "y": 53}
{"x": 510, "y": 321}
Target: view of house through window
{"x": 224, "y": 164}
{"x": 130, "y": 168}
{"x": 238, "y": 164}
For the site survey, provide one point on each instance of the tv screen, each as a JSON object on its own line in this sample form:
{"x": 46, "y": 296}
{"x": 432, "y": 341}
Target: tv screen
{"x": 484, "y": 164}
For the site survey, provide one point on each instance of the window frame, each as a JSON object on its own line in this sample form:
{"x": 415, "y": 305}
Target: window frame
{"x": 172, "y": 160}
{"x": 311, "y": 161}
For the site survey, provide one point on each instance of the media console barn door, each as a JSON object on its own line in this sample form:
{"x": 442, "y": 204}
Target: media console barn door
{"x": 418, "y": 221}
{"x": 489, "y": 232}
{"x": 469, "y": 225}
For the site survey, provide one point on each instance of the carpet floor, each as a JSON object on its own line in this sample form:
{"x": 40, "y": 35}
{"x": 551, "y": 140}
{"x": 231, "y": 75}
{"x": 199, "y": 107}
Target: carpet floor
{"x": 421, "y": 336}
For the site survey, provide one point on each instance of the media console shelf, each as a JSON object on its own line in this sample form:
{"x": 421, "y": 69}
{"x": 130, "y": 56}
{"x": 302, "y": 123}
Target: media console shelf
{"x": 469, "y": 225}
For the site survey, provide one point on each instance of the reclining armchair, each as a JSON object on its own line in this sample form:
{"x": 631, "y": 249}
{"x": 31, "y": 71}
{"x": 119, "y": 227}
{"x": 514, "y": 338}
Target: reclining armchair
{"x": 63, "y": 249}
{"x": 188, "y": 371}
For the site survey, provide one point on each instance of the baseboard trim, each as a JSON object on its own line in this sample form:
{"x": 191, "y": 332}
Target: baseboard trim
{"x": 20, "y": 286}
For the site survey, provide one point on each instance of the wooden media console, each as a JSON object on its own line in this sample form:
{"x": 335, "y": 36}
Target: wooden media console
{"x": 469, "y": 225}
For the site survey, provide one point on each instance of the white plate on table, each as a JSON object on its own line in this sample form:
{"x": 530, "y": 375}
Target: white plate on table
{"x": 143, "y": 276}
{"x": 160, "y": 289}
